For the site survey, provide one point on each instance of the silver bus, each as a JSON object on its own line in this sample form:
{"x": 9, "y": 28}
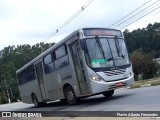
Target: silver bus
{"x": 88, "y": 62}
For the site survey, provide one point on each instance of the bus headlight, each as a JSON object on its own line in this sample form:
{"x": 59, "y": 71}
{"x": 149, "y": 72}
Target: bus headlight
{"x": 95, "y": 77}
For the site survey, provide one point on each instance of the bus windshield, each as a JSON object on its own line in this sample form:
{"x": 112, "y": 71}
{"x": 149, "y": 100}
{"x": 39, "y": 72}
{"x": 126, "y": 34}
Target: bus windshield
{"x": 106, "y": 52}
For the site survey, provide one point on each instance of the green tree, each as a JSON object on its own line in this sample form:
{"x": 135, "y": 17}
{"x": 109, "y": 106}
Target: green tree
{"x": 11, "y": 59}
{"x": 143, "y": 64}
{"x": 3, "y": 98}
{"x": 146, "y": 38}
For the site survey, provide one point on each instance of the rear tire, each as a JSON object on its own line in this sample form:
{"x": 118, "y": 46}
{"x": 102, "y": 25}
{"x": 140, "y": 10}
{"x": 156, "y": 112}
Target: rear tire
{"x": 70, "y": 96}
{"x": 63, "y": 101}
{"x": 108, "y": 94}
{"x": 35, "y": 100}
{"x": 36, "y": 103}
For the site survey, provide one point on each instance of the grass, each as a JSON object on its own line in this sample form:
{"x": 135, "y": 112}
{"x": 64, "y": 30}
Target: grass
{"x": 138, "y": 84}
{"x": 155, "y": 83}
{"x": 135, "y": 85}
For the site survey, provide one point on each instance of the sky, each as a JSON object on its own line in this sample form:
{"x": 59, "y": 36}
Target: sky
{"x": 33, "y": 21}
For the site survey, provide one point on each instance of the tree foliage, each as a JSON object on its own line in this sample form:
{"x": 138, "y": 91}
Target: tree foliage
{"x": 11, "y": 59}
{"x": 147, "y": 39}
{"x": 143, "y": 64}
{"x": 144, "y": 45}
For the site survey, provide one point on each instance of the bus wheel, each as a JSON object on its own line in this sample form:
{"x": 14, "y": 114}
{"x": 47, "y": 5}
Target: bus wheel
{"x": 35, "y": 100}
{"x": 108, "y": 94}
{"x": 70, "y": 95}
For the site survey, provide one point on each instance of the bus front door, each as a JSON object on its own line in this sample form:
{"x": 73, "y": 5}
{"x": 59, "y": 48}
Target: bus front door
{"x": 39, "y": 71}
{"x": 78, "y": 66}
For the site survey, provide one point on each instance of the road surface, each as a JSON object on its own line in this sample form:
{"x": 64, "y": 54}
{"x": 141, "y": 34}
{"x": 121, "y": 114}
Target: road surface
{"x": 139, "y": 99}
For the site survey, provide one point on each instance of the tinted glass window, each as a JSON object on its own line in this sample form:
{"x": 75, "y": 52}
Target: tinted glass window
{"x": 23, "y": 73}
{"x": 30, "y": 73}
{"x": 48, "y": 64}
{"x": 60, "y": 52}
{"x": 61, "y": 58}
{"x": 26, "y": 75}
{"x": 47, "y": 59}
{"x": 23, "y": 77}
{"x": 62, "y": 62}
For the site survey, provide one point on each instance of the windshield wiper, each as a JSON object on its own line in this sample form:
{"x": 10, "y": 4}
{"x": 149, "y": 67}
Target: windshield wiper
{"x": 117, "y": 46}
{"x": 99, "y": 46}
{"x": 120, "y": 54}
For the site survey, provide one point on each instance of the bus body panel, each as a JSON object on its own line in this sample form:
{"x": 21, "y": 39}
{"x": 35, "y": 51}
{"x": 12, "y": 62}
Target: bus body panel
{"x": 56, "y": 81}
{"x": 26, "y": 93}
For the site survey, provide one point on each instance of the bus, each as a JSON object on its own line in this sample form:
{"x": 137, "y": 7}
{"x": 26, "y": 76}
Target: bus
{"x": 89, "y": 61}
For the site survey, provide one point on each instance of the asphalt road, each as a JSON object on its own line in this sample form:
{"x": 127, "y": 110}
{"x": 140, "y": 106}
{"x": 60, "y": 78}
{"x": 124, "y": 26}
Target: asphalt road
{"x": 139, "y": 99}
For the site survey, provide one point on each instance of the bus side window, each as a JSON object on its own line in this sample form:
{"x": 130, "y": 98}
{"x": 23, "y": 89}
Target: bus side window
{"x": 61, "y": 57}
{"x": 31, "y": 73}
{"x": 48, "y": 64}
{"x": 60, "y": 52}
{"x": 24, "y": 76}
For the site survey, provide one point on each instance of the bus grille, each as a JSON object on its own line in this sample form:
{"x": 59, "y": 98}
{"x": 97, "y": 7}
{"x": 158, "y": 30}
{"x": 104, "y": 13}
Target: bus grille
{"x": 115, "y": 72}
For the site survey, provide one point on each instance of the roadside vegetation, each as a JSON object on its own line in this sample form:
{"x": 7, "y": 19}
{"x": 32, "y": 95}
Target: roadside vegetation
{"x": 145, "y": 83}
{"x": 143, "y": 47}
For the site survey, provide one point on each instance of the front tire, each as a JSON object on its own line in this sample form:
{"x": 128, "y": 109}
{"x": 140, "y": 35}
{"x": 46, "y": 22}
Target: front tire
{"x": 70, "y": 96}
{"x": 108, "y": 94}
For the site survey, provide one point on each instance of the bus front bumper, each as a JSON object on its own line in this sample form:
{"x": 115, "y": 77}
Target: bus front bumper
{"x": 102, "y": 86}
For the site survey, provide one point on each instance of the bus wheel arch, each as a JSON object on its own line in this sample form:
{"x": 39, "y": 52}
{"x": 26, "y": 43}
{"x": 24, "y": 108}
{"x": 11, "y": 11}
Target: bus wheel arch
{"x": 69, "y": 94}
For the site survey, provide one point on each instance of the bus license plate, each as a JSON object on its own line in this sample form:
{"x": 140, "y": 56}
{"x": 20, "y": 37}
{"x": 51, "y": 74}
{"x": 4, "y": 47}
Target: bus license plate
{"x": 118, "y": 84}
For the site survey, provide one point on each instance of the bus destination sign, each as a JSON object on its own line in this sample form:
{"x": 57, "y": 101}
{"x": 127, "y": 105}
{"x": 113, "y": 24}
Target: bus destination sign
{"x": 101, "y": 32}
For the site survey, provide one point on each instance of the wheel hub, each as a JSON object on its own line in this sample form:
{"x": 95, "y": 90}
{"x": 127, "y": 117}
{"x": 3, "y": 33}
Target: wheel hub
{"x": 70, "y": 96}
